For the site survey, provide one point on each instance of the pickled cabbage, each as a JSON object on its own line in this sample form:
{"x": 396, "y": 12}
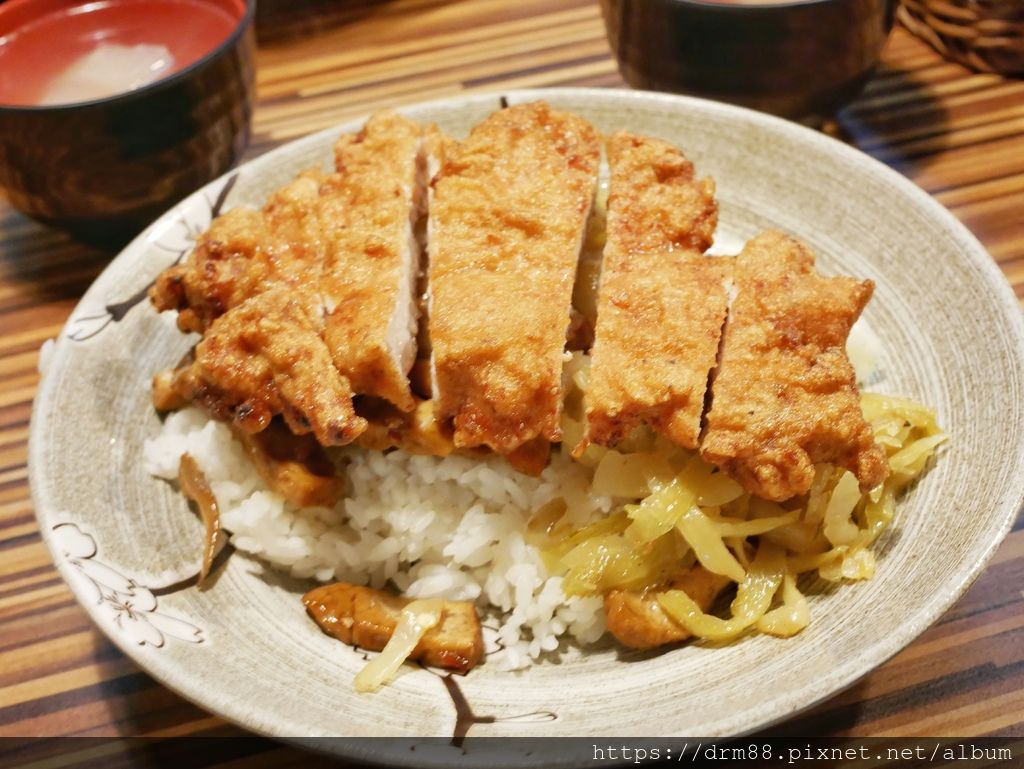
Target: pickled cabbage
{"x": 417, "y": 618}
{"x": 684, "y": 512}
{"x": 753, "y": 597}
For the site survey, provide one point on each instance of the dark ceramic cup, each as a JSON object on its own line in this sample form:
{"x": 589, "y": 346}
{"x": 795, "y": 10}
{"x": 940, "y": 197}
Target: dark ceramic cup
{"x": 800, "y": 59}
{"x": 103, "y": 169}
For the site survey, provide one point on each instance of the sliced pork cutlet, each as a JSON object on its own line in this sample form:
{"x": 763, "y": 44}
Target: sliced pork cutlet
{"x": 368, "y": 211}
{"x": 244, "y": 253}
{"x": 661, "y": 303}
{"x": 261, "y": 314}
{"x": 785, "y": 394}
{"x": 267, "y": 356}
{"x": 507, "y": 219}
{"x": 311, "y": 300}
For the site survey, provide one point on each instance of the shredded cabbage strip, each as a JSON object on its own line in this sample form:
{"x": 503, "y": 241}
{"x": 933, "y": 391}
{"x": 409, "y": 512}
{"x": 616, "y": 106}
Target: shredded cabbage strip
{"x": 417, "y": 618}
{"x": 700, "y": 534}
{"x": 792, "y": 616}
{"x": 753, "y": 597}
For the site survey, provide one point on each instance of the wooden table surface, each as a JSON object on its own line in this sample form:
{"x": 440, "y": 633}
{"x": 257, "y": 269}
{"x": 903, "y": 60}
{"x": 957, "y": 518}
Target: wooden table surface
{"x": 958, "y": 134}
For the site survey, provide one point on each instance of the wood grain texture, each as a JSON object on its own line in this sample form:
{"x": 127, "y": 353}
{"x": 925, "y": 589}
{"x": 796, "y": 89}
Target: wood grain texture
{"x": 958, "y": 134}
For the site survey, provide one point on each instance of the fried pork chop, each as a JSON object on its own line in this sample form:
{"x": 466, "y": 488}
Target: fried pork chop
{"x": 661, "y": 304}
{"x": 267, "y": 356}
{"x": 785, "y": 395}
{"x": 507, "y": 218}
{"x": 312, "y": 299}
{"x": 246, "y": 252}
{"x": 368, "y": 211}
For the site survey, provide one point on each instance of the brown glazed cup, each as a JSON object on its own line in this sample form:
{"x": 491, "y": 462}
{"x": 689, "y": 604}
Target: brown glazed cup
{"x": 801, "y": 59}
{"x": 104, "y": 169}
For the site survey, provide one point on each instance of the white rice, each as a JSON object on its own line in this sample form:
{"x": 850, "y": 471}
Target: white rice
{"x": 452, "y": 527}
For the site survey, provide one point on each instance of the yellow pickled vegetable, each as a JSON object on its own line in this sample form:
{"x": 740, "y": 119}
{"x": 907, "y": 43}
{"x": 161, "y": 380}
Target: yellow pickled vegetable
{"x": 689, "y": 512}
{"x": 631, "y": 475}
{"x": 753, "y": 598}
{"x": 659, "y": 512}
{"x": 791, "y": 617}
{"x": 417, "y": 618}
{"x": 699, "y": 532}
{"x": 838, "y": 528}
{"x": 729, "y": 527}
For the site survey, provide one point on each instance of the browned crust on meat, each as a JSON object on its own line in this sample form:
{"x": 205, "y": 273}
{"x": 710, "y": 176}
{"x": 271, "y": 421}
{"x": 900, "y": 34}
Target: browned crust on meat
{"x": 507, "y": 219}
{"x": 368, "y": 209}
{"x": 297, "y": 301}
{"x": 365, "y": 617}
{"x": 661, "y": 304}
{"x": 267, "y": 357}
{"x": 657, "y": 339}
{"x": 655, "y": 203}
{"x": 531, "y": 457}
{"x": 785, "y": 396}
{"x": 417, "y": 431}
{"x": 638, "y": 621}
{"x": 245, "y": 252}
{"x": 420, "y": 432}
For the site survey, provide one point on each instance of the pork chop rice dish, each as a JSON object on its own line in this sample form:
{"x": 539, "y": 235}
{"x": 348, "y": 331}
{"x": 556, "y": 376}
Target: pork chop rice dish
{"x": 499, "y": 381}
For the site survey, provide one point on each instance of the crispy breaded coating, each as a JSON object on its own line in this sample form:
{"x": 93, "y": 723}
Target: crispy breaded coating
{"x": 507, "y": 219}
{"x": 661, "y": 304}
{"x": 340, "y": 248}
{"x": 246, "y": 252}
{"x": 364, "y": 617}
{"x": 532, "y": 457}
{"x": 368, "y": 212}
{"x": 267, "y": 356}
{"x": 785, "y": 395}
{"x": 420, "y": 432}
{"x": 637, "y": 620}
{"x": 655, "y": 203}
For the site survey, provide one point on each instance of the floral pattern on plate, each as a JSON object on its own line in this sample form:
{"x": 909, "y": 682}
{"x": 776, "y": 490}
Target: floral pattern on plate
{"x": 128, "y": 605}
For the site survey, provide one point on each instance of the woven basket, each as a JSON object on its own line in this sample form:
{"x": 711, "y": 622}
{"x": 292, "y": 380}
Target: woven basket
{"x": 987, "y": 35}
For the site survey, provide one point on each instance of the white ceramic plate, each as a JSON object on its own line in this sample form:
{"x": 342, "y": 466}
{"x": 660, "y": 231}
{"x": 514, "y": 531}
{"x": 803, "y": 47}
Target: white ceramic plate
{"x": 245, "y": 649}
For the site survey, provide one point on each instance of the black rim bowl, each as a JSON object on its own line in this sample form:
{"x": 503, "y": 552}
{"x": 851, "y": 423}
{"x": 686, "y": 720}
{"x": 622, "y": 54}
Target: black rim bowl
{"x": 799, "y": 59}
{"x": 105, "y": 168}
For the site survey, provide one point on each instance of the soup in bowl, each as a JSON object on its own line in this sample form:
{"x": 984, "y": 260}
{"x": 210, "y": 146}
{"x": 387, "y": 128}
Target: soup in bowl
{"x": 111, "y": 111}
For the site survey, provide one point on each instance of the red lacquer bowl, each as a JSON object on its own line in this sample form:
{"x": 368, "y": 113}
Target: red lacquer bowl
{"x": 105, "y": 168}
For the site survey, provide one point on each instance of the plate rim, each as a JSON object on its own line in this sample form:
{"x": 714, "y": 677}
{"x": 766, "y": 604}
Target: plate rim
{"x": 787, "y": 704}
